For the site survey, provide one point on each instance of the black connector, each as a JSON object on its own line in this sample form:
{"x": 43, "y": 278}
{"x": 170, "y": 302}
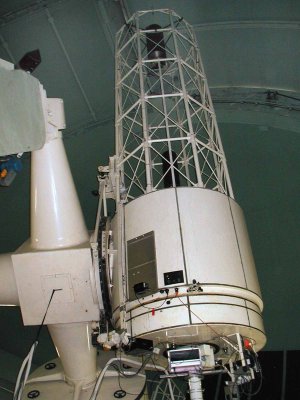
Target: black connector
{"x": 140, "y": 287}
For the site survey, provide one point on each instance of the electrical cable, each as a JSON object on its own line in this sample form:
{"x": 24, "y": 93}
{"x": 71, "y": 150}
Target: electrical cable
{"x": 283, "y": 95}
{"x": 143, "y": 364}
{"x": 152, "y": 308}
{"x": 245, "y": 387}
{"x": 27, "y": 362}
{"x": 139, "y": 395}
{"x": 100, "y": 379}
{"x": 205, "y": 323}
{"x": 111, "y": 363}
{"x": 5, "y": 389}
{"x": 24, "y": 373}
{"x": 155, "y": 366}
{"x": 119, "y": 383}
{"x": 251, "y": 394}
{"x": 43, "y": 320}
{"x": 158, "y": 369}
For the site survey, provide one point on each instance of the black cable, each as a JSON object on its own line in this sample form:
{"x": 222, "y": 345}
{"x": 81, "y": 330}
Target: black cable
{"x": 142, "y": 391}
{"x": 245, "y": 387}
{"x": 139, "y": 395}
{"x": 139, "y": 370}
{"x": 152, "y": 308}
{"x": 251, "y": 394}
{"x": 284, "y": 95}
{"x": 119, "y": 383}
{"x": 43, "y": 320}
{"x": 210, "y": 327}
{"x": 153, "y": 362}
{"x": 35, "y": 343}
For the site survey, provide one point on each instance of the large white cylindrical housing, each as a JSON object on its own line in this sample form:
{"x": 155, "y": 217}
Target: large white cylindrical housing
{"x": 193, "y": 242}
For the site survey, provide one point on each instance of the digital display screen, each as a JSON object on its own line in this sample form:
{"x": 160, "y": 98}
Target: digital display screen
{"x": 184, "y": 355}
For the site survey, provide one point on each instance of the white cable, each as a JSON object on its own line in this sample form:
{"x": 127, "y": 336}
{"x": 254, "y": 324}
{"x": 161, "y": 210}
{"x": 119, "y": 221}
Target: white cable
{"x": 5, "y": 389}
{"x": 26, "y": 366}
{"x": 20, "y": 384}
{"x": 129, "y": 373}
{"x": 20, "y": 374}
{"x": 100, "y": 378}
{"x": 138, "y": 363}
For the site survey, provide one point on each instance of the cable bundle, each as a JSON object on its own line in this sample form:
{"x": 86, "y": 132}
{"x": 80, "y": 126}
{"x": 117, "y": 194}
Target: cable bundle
{"x": 26, "y": 365}
{"x": 24, "y": 373}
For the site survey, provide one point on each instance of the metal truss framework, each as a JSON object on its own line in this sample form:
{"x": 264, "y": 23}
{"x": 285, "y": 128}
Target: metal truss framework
{"x": 165, "y": 121}
{"x": 168, "y": 389}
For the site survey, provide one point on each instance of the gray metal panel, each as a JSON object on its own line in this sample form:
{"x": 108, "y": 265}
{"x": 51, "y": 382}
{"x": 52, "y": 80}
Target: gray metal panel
{"x": 22, "y": 122}
{"x": 157, "y": 212}
{"x": 142, "y": 263}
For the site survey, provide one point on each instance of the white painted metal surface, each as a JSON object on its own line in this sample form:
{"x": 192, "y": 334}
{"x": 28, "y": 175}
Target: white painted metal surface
{"x": 7, "y": 65}
{"x": 57, "y": 259}
{"x": 51, "y": 383}
{"x": 66, "y": 271}
{"x": 195, "y": 385}
{"x": 77, "y": 355}
{"x": 59, "y": 235}
{"x": 60, "y": 390}
{"x": 165, "y": 121}
{"x": 56, "y": 216}
{"x": 201, "y": 232}
{"x": 8, "y": 287}
{"x": 215, "y": 240}
{"x": 22, "y": 122}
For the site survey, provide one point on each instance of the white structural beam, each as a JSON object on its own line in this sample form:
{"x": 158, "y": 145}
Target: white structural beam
{"x": 101, "y": 13}
{"x": 5, "y": 45}
{"x": 72, "y": 68}
{"x": 166, "y": 129}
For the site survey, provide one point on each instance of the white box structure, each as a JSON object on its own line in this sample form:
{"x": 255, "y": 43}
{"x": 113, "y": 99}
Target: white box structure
{"x": 68, "y": 272}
